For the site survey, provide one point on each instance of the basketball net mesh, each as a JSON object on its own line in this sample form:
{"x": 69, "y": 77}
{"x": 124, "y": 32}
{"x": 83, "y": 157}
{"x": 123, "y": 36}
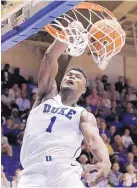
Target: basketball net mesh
{"x": 76, "y": 35}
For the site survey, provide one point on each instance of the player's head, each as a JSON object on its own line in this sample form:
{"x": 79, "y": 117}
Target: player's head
{"x": 74, "y": 80}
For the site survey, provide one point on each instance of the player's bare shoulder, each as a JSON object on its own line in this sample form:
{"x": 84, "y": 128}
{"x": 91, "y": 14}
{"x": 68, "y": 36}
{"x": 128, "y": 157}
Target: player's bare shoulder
{"x": 41, "y": 98}
{"x": 87, "y": 117}
{"x": 88, "y": 124}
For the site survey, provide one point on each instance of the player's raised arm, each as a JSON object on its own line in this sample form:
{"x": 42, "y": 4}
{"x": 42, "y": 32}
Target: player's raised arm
{"x": 96, "y": 145}
{"x": 49, "y": 67}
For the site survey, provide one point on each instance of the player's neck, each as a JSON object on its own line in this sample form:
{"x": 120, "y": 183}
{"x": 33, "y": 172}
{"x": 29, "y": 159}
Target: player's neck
{"x": 68, "y": 99}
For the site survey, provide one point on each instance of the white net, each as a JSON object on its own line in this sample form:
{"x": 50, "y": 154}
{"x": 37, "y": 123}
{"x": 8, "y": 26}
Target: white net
{"x": 97, "y": 29}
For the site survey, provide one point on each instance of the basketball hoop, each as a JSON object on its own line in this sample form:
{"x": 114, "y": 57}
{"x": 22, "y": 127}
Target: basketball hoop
{"x": 99, "y": 30}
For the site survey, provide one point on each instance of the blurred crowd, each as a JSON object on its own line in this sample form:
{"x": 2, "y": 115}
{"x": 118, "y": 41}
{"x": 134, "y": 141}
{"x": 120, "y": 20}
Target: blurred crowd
{"x": 114, "y": 106}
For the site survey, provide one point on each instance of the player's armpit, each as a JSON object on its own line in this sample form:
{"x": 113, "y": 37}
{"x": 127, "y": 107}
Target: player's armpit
{"x": 37, "y": 102}
{"x": 49, "y": 67}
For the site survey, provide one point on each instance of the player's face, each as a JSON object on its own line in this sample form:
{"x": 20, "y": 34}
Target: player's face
{"x": 74, "y": 80}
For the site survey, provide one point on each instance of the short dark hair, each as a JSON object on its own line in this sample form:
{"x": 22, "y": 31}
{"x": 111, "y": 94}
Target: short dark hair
{"x": 9, "y": 117}
{"x": 82, "y": 72}
{"x": 6, "y": 65}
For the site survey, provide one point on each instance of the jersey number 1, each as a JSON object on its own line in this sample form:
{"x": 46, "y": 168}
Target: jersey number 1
{"x": 49, "y": 129}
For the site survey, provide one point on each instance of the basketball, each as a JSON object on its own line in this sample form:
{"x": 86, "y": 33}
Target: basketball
{"x": 106, "y": 36}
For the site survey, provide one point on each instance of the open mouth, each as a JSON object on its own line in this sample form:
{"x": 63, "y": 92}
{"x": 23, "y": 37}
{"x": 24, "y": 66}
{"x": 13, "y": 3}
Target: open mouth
{"x": 70, "y": 82}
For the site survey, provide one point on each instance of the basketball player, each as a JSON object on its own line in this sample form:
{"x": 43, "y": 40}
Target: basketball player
{"x": 56, "y": 127}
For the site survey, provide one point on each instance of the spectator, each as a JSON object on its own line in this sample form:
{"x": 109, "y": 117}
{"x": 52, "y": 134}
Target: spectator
{"x": 130, "y": 178}
{"x": 5, "y": 111}
{"x": 105, "y": 81}
{"x": 112, "y": 131}
{"x": 15, "y": 91}
{"x": 93, "y": 83}
{"x": 15, "y": 116}
{"x": 24, "y": 88}
{"x": 134, "y": 150}
{"x": 100, "y": 89}
{"x": 126, "y": 138}
{"x": 11, "y": 130}
{"x": 4, "y": 182}
{"x": 131, "y": 95}
{"x": 23, "y": 103}
{"x": 130, "y": 161}
{"x": 83, "y": 159}
{"x": 132, "y": 147}
{"x": 31, "y": 85}
{"x": 17, "y": 78}
{"x": 113, "y": 92}
{"x": 106, "y": 141}
{"x": 129, "y": 105}
{"x": 86, "y": 151}
{"x": 114, "y": 98}
{"x": 5, "y": 147}
{"x": 120, "y": 85}
{"x": 100, "y": 113}
{"x": 16, "y": 177}
{"x": 103, "y": 129}
{"x": 31, "y": 82}
{"x": 129, "y": 118}
{"x": 6, "y": 98}
{"x": 35, "y": 90}
{"x": 112, "y": 116}
{"x": 116, "y": 158}
{"x": 117, "y": 123}
{"x": 114, "y": 104}
{"x": 119, "y": 108}
{"x": 93, "y": 100}
{"x": 122, "y": 154}
{"x": 133, "y": 130}
{"x": 105, "y": 101}
{"x": 117, "y": 143}
{"x": 115, "y": 176}
{"x": 5, "y": 74}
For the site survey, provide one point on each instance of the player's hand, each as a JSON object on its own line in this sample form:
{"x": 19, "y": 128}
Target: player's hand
{"x": 103, "y": 171}
{"x": 74, "y": 31}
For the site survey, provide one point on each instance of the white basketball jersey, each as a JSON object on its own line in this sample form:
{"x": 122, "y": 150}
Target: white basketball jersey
{"x": 52, "y": 130}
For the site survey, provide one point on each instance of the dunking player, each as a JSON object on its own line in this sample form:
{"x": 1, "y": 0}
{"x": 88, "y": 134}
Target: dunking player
{"x": 56, "y": 127}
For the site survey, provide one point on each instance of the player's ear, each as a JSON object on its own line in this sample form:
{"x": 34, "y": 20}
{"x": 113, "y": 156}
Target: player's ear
{"x": 84, "y": 91}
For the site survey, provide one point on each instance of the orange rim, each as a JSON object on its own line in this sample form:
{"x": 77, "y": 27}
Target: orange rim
{"x": 83, "y": 5}
{"x": 50, "y": 29}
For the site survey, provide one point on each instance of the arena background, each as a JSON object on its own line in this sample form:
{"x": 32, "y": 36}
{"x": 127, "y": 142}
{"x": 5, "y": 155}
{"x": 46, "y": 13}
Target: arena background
{"x": 123, "y": 64}
{"x": 27, "y": 55}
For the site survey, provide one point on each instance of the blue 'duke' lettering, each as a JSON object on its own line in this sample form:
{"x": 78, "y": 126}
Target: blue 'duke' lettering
{"x": 49, "y": 129}
{"x": 68, "y": 113}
